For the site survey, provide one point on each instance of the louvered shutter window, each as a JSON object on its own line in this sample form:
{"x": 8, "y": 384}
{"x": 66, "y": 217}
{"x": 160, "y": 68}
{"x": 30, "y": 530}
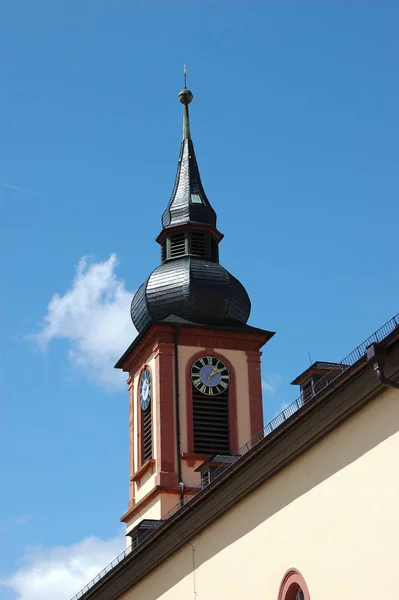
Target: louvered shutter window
{"x": 146, "y": 429}
{"x": 177, "y": 245}
{"x": 211, "y": 423}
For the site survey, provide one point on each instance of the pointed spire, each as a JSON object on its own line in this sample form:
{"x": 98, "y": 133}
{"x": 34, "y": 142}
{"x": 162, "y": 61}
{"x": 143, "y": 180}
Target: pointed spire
{"x": 190, "y": 285}
{"x": 185, "y": 97}
{"x": 188, "y": 203}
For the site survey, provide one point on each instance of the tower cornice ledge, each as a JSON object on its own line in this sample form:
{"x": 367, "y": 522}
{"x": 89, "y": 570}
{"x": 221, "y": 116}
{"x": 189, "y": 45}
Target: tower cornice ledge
{"x": 242, "y": 337}
{"x": 189, "y": 227}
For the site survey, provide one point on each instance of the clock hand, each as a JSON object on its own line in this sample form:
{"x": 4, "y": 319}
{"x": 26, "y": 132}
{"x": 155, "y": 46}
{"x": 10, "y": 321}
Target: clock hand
{"x": 215, "y": 370}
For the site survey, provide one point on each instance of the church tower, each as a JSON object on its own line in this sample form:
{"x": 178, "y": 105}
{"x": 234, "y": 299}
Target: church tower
{"x": 194, "y": 369}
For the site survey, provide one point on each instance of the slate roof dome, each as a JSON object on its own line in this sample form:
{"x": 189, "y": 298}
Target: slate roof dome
{"x": 193, "y": 289}
{"x": 190, "y": 284}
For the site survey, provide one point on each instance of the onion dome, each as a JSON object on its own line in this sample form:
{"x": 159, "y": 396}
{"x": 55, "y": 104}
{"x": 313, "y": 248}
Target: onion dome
{"x": 196, "y": 290}
{"x": 190, "y": 283}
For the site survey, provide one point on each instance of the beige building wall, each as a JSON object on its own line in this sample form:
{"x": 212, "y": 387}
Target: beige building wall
{"x": 185, "y": 354}
{"x": 156, "y": 509}
{"x": 238, "y": 359}
{"x": 190, "y": 477}
{"x": 333, "y": 514}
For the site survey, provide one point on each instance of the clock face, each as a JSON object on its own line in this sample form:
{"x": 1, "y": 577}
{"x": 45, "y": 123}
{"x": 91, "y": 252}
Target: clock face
{"x": 210, "y": 375}
{"x": 145, "y": 389}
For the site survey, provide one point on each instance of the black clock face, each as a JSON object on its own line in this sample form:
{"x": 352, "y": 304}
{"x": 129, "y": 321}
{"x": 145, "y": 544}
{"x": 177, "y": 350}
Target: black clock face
{"x": 145, "y": 389}
{"x": 210, "y": 375}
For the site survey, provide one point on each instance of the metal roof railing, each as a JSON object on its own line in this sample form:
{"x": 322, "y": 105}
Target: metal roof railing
{"x": 327, "y": 379}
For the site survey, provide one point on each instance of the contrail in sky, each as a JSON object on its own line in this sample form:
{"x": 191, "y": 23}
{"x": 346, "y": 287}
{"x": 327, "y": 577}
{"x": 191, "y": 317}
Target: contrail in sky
{"x": 18, "y": 189}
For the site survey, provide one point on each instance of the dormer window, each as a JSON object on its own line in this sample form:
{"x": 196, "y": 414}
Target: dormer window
{"x": 317, "y": 377}
{"x": 196, "y": 199}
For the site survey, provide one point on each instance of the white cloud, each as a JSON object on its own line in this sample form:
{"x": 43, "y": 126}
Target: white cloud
{"x": 93, "y": 317}
{"x": 49, "y": 573}
{"x": 271, "y": 383}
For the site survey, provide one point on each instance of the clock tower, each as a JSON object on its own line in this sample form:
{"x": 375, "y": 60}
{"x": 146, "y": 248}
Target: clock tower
{"x": 194, "y": 369}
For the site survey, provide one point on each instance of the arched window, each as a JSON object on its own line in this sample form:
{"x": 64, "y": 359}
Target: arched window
{"x": 210, "y": 382}
{"x": 146, "y": 428}
{"x": 211, "y": 397}
{"x": 145, "y": 402}
{"x": 211, "y": 423}
{"x": 293, "y": 587}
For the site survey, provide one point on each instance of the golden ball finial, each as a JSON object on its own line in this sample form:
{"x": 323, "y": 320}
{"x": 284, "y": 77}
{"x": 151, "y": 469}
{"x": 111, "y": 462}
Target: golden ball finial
{"x": 185, "y": 96}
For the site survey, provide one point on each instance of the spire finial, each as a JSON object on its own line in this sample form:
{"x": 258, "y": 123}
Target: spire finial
{"x": 185, "y": 97}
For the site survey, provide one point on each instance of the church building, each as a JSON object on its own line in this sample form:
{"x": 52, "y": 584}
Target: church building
{"x": 222, "y": 506}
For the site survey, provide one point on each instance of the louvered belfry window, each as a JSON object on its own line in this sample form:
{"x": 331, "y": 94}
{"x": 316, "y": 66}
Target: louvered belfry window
{"x": 211, "y": 423}
{"x": 163, "y": 251}
{"x": 199, "y": 243}
{"x": 177, "y": 245}
{"x": 214, "y": 250}
{"x": 146, "y": 433}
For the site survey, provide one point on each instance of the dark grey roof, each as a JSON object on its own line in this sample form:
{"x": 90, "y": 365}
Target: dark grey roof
{"x": 190, "y": 283}
{"x": 316, "y": 366}
{"x": 191, "y": 289}
{"x": 188, "y": 203}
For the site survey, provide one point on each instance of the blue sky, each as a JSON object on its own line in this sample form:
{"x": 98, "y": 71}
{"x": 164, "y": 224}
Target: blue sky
{"x": 295, "y": 124}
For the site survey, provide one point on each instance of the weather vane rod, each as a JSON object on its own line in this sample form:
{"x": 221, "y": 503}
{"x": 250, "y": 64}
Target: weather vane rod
{"x": 185, "y": 97}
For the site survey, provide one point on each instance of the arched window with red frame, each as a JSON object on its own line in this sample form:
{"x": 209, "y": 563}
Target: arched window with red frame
{"x": 145, "y": 417}
{"x": 293, "y": 587}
